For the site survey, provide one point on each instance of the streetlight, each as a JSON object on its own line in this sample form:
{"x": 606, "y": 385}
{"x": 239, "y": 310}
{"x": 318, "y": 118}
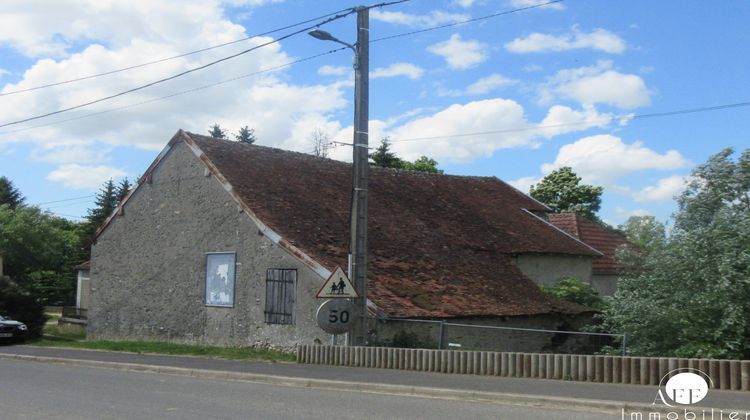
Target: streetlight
{"x": 360, "y": 167}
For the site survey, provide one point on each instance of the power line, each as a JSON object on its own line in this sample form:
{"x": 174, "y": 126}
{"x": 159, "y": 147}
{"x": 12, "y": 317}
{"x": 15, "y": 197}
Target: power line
{"x": 161, "y": 60}
{"x": 174, "y": 57}
{"x": 331, "y": 19}
{"x": 577, "y": 123}
{"x": 67, "y": 199}
{"x": 692, "y": 110}
{"x": 461, "y": 22}
{"x": 172, "y": 95}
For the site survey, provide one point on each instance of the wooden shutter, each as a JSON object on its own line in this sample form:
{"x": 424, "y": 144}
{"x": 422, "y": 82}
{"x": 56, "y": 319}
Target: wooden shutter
{"x": 280, "y": 296}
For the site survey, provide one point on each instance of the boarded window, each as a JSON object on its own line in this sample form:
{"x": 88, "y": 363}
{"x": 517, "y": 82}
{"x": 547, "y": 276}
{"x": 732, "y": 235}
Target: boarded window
{"x": 280, "y": 294}
{"x": 220, "y": 269}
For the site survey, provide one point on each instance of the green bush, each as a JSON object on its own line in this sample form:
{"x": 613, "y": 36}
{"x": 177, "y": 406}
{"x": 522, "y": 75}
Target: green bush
{"x": 17, "y": 304}
{"x": 574, "y": 290}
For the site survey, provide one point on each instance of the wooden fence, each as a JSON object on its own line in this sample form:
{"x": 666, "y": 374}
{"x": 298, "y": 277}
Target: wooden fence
{"x": 725, "y": 374}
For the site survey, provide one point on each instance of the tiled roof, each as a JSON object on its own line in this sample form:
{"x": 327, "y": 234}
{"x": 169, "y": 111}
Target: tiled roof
{"x": 438, "y": 245}
{"x": 591, "y": 233}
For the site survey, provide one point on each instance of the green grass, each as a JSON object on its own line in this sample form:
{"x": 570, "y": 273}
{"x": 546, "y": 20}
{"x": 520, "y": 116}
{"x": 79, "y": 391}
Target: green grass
{"x": 74, "y": 336}
{"x": 158, "y": 347}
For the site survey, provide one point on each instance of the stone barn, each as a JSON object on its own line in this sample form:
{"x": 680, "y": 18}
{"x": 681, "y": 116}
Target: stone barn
{"x": 227, "y": 243}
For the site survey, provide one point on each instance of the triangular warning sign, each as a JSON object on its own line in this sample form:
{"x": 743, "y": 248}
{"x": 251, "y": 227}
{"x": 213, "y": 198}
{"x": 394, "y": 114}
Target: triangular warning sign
{"x": 337, "y": 286}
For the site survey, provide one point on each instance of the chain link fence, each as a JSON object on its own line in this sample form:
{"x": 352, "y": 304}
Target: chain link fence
{"x": 444, "y": 335}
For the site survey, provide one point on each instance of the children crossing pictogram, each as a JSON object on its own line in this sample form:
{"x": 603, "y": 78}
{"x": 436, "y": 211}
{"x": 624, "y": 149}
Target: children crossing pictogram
{"x": 337, "y": 286}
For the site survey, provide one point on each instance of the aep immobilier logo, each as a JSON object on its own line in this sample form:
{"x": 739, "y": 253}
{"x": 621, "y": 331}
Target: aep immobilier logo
{"x": 680, "y": 390}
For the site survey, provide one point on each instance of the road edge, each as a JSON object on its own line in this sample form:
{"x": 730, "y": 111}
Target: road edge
{"x": 541, "y": 401}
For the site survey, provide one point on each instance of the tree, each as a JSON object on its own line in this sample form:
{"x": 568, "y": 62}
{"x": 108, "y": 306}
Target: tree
{"x": 645, "y": 232}
{"x": 574, "y": 290}
{"x": 9, "y": 194}
{"x": 39, "y": 252}
{"x": 217, "y": 132}
{"x": 245, "y": 135}
{"x": 106, "y": 202}
{"x": 423, "y": 164}
{"x": 321, "y": 141}
{"x": 384, "y": 157}
{"x": 689, "y": 297}
{"x": 562, "y": 192}
{"x": 122, "y": 190}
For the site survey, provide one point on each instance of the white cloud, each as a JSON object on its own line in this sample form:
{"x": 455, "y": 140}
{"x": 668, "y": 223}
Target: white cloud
{"x": 114, "y": 24}
{"x": 562, "y": 119}
{"x": 604, "y": 158}
{"x": 598, "y": 39}
{"x": 524, "y": 184}
{"x": 480, "y": 87}
{"x": 597, "y": 84}
{"x": 458, "y": 119}
{"x": 528, "y": 3}
{"x": 464, "y": 3}
{"x": 624, "y": 214}
{"x": 460, "y": 55}
{"x": 84, "y": 177}
{"x": 398, "y": 69}
{"x": 664, "y": 190}
{"x": 334, "y": 70}
{"x": 489, "y": 83}
{"x": 532, "y": 68}
{"x": 137, "y": 32}
{"x": 434, "y": 18}
{"x": 68, "y": 153}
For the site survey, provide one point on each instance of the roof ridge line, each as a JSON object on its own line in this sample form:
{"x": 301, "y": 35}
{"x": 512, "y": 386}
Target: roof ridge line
{"x": 601, "y": 254}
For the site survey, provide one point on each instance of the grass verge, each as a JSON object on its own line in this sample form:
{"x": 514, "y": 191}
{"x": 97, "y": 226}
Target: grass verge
{"x": 74, "y": 336}
{"x": 158, "y": 347}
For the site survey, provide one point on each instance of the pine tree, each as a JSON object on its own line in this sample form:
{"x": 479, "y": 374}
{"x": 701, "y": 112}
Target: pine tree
{"x": 246, "y": 135}
{"x": 384, "y": 157}
{"x": 106, "y": 202}
{"x": 9, "y": 194}
{"x": 122, "y": 190}
{"x": 217, "y": 132}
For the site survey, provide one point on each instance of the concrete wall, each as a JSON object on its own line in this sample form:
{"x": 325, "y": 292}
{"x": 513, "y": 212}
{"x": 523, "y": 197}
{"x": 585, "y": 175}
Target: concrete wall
{"x": 83, "y": 290}
{"x": 604, "y": 284}
{"x": 478, "y": 334}
{"x": 148, "y": 269}
{"x": 546, "y": 269}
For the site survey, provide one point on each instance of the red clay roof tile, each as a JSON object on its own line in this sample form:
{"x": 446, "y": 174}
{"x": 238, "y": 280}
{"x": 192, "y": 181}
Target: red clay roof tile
{"x": 594, "y": 235}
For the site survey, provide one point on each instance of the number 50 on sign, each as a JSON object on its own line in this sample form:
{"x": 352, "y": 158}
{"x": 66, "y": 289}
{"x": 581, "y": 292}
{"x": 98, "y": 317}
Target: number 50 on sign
{"x": 335, "y": 316}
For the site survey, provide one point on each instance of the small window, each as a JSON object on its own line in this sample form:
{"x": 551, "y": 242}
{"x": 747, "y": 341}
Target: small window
{"x": 220, "y": 268}
{"x": 280, "y": 294}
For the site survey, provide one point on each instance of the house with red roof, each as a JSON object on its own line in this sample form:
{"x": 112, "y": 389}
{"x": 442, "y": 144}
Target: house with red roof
{"x": 605, "y": 270}
{"x": 227, "y": 243}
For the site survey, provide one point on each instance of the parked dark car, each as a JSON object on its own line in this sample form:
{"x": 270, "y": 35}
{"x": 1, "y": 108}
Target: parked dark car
{"x": 12, "y": 330}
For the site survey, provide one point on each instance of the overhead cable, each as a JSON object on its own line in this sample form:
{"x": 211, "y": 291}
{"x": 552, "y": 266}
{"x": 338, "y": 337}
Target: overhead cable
{"x": 172, "y": 95}
{"x": 174, "y": 57}
{"x": 183, "y": 73}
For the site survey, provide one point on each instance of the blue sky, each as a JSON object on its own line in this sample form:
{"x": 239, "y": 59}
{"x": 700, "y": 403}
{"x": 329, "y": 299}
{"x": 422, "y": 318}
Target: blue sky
{"x": 546, "y": 87}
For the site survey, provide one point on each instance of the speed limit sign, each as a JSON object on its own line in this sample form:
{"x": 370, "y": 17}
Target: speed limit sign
{"x": 336, "y": 316}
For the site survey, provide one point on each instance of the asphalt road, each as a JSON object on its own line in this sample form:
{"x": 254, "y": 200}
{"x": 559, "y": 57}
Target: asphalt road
{"x": 30, "y": 390}
{"x": 564, "y": 389}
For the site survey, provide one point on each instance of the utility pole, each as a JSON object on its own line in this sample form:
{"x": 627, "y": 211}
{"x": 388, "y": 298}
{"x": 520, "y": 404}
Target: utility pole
{"x": 360, "y": 171}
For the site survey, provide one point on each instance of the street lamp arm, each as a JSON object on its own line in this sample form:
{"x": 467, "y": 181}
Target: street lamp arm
{"x": 325, "y": 36}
